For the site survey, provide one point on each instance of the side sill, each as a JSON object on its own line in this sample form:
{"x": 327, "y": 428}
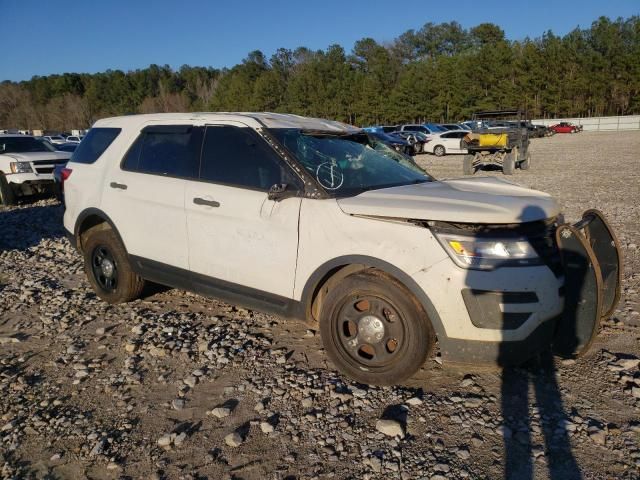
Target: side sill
{"x": 233, "y": 293}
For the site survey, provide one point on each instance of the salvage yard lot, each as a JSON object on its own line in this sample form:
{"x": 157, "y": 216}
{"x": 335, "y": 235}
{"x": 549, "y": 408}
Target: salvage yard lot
{"x": 98, "y": 391}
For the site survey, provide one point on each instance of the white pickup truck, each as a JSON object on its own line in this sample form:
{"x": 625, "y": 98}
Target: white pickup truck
{"x": 26, "y": 166}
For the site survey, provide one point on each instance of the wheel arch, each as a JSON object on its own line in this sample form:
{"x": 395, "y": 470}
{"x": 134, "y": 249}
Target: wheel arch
{"x": 89, "y": 218}
{"x": 331, "y": 272}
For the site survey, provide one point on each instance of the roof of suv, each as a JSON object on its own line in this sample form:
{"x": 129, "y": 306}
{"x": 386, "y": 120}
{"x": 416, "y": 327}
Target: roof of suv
{"x": 267, "y": 119}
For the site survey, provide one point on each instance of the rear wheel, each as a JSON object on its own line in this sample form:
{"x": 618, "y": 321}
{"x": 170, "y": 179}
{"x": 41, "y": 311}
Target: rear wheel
{"x": 439, "y": 150}
{"x": 509, "y": 163}
{"x": 467, "y": 165}
{"x": 7, "y": 195}
{"x": 107, "y": 267}
{"x": 374, "y": 330}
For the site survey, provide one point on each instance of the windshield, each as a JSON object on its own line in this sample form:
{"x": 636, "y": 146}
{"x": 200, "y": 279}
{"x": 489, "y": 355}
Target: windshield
{"x": 24, "y": 144}
{"x": 350, "y": 164}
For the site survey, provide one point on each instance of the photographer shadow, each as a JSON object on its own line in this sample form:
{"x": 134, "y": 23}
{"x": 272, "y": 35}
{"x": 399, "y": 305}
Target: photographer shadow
{"x": 545, "y": 412}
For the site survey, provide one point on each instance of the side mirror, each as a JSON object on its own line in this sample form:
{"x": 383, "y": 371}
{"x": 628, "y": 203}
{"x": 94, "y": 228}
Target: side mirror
{"x": 280, "y": 191}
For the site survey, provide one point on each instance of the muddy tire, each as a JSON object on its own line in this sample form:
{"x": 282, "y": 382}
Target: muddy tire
{"x": 7, "y": 195}
{"x": 526, "y": 163}
{"x": 467, "y": 165}
{"x": 107, "y": 267}
{"x": 374, "y": 330}
{"x": 509, "y": 163}
{"x": 439, "y": 151}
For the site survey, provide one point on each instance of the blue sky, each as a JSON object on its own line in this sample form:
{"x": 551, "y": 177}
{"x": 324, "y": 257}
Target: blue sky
{"x": 40, "y": 37}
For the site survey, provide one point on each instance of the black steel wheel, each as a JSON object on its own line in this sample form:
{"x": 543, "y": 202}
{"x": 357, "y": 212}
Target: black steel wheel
{"x": 369, "y": 330}
{"x": 374, "y": 330}
{"x": 106, "y": 265}
{"x": 104, "y": 268}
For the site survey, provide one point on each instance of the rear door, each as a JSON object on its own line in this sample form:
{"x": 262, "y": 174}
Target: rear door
{"x": 144, "y": 195}
{"x": 240, "y": 242}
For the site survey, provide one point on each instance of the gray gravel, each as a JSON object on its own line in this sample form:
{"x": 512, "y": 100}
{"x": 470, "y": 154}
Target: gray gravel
{"x": 180, "y": 386}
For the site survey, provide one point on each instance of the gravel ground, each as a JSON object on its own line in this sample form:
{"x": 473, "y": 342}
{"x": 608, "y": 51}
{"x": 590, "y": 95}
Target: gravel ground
{"x": 180, "y": 386}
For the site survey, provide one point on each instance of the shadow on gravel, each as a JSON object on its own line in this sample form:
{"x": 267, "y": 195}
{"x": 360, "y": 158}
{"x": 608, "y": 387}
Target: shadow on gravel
{"x": 540, "y": 374}
{"x": 26, "y": 226}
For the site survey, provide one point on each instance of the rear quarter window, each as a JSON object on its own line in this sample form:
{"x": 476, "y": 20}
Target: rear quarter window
{"x": 94, "y": 144}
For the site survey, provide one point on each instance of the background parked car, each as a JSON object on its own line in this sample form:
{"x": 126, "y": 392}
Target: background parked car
{"x": 454, "y": 126}
{"x": 74, "y": 139}
{"x": 566, "y": 127}
{"x": 417, "y": 139}
{"x": 428, "y": 128}
{"x": 396, "y": 142}
{"x": 66, "y": 147}
{"x": 26, "y": 166}
{"x": 55, "y": 139}
{"x": 446, "y": 143}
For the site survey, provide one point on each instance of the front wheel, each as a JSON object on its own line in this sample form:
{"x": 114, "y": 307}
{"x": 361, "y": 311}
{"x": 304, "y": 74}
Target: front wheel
{"x": 467, "y": 165}
{"x": 7, "y": 196}
{"x": 439, "y": 151}
{"x": 374, "y": 330}
{"x": 509, "y": 163}
{"x": 107, "y": 267}
{"x": 526, "y": 163}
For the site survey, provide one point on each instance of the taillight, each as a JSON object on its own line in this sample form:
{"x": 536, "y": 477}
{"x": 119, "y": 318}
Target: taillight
{"x": 65, "y": 173}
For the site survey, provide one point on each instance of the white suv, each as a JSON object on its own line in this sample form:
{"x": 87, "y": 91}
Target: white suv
{"x": 309, "y": 219}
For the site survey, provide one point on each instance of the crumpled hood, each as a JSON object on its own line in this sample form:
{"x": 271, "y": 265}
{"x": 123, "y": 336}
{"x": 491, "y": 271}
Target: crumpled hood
{"x": 463, "y": 200}
{"x": 31, "y": 156}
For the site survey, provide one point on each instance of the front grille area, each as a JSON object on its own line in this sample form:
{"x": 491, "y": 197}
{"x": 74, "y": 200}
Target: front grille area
{"x": 44, "y": 170}
{"x": 53, "y": 161}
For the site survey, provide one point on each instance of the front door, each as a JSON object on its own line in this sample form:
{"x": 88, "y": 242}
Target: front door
{"x": 240, "y": 242}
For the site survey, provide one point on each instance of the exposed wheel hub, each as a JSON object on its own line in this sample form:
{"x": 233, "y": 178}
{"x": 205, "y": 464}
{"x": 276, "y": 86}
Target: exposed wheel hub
{"x": 107, "y": 267}
{"x": 371, "y": 329}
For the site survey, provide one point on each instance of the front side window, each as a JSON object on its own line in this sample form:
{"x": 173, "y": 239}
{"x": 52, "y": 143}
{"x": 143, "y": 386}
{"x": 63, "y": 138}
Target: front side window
{"x": 23, "y": 145}
{"x": 238, "y": 157}
{"x": 350, "y": 164}
{"x": 94, "y": 144}
{"x": 172, "y": 151}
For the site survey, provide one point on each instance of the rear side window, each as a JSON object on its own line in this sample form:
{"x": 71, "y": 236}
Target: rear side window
{"x": 237, "y": 156}
{"x": 94, "y": 144}
{"x": 166, "y": 150}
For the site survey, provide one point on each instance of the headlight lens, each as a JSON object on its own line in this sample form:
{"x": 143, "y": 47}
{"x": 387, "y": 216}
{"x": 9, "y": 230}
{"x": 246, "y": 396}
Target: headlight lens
{"x": 488, "y": 253}
{"x": 20, "y": 167}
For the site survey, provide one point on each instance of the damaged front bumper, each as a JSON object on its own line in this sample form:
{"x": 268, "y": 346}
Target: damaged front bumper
{"x": 592, "y": 263}
{"x": 588, "y": 284}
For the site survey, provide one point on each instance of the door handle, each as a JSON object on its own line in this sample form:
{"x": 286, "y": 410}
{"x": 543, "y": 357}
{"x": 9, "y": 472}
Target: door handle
{"x": 207, "y": 203}
{"x": 121, "y": 186}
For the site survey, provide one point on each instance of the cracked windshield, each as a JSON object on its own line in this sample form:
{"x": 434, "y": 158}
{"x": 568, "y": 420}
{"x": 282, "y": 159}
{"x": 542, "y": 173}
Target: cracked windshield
{"x": 350, "y": 164}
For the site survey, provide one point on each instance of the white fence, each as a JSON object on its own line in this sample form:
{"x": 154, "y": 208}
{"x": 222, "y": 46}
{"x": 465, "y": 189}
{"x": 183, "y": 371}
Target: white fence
{"x": 598, "y": 124}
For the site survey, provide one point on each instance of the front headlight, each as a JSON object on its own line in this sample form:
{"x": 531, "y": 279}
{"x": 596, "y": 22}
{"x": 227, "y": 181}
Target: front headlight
{"x": 20, "y": 167}
{"x": 487, "y": 253}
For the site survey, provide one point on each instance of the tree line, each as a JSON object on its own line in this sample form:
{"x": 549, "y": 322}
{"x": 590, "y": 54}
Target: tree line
{"x": 440, "y": 72}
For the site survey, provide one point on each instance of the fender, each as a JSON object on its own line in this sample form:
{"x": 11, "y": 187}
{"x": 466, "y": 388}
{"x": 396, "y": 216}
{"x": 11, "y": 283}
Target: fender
{"x": 88, "y": 212}
{"x": 321, "y": 272}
